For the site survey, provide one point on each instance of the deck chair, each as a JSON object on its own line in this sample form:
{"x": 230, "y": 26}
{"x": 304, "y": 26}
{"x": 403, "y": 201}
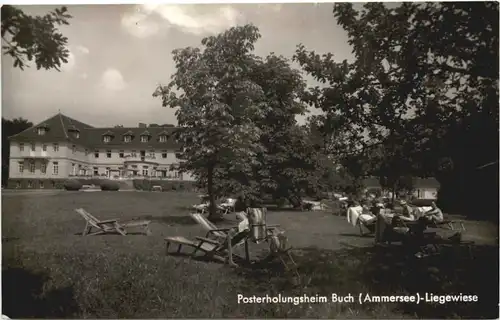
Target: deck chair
{"x": 450, "y": 224}
{"x": 369, "y": 225}
{"x": 109, "y": 226}
{"x": 210, "y": 227}
{"x": 221, "y": 250}
{"x": 278, "y": 243}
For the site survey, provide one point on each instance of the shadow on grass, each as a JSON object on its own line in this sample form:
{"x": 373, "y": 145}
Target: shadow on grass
{"x": 389, "y": 271}
{"x": 24, "y": 296}
{"x": 135, "y": 233}
{"x": 357, "y": 235}
{"x": 170, "y": 220}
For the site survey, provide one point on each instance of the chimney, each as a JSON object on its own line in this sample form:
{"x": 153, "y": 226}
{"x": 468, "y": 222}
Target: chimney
{"x": 142, "y": 125}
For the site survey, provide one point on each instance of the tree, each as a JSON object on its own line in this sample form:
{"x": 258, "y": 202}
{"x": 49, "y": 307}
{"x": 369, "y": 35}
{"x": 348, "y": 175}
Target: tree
{"x": 10, "y": 128}
{"x": 26, "y": 37}
{"x": 217, "y": 105}
{"x": 287, "y": 165}
{"x": 424, "y": 74}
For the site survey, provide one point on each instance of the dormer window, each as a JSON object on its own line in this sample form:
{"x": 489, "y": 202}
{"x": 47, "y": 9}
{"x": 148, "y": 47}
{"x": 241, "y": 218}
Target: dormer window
{"x": 107, "y": 136}
{"x": 145, "y": 136}
{"x": 163, "y": 138}
{"x": 42, "y": 129}
{"x": 128, "y": 136}
{"x": 74, "y": 131}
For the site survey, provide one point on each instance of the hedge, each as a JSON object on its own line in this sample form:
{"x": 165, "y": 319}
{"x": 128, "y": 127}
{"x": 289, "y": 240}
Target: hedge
{"x": 166, "y": 185}
{"x": 108, "y": 185}
{"x": 72, "y": 185}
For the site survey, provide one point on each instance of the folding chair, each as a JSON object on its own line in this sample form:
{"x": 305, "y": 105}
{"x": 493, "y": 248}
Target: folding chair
{"x": 109, "y": 226}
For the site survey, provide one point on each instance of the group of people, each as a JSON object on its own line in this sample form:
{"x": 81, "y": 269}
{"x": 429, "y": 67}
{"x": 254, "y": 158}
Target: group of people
{"x": 367, "y": 210}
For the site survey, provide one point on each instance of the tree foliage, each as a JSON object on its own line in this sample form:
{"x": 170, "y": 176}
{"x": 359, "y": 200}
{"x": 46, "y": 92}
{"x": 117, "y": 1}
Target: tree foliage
{"x": 34, "y": 38}
{"x": 237, "y": 123}
{"x": 217, "y": 104}
{"x": 10, "y": 128}
{"x": 424, "y": 79}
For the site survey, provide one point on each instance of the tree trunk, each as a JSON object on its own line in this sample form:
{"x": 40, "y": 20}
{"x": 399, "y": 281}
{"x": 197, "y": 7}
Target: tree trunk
{"x": 213, "y": 214}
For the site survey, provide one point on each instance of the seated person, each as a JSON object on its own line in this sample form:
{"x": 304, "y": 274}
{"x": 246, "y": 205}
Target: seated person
{"x": 407, "y": 214}
{"x": 353, "y": 212}
{"x": 367, "y": 216}
{"x": 433, "y": 215}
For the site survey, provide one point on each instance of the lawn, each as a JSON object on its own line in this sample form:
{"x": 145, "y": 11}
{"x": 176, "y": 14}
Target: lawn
{"x": 50, "y": 271}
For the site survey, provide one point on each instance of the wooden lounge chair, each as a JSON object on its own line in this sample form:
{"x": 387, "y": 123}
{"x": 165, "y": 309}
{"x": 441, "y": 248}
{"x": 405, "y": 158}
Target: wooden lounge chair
{"x": 210, "y": 227}
{"x": 278, "y": 243}
{"x": 221, "y": 250}
{"x": 450, "y": 224}
{"x": 109, "y": 226}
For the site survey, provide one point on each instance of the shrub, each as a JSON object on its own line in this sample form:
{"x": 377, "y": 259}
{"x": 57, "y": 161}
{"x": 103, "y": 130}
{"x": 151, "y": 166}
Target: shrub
{"x": 108, "y": 185}
{"x": 72, "y": 185}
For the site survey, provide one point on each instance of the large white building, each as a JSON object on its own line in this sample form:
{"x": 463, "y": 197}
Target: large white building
{"x": 62, "y": 147}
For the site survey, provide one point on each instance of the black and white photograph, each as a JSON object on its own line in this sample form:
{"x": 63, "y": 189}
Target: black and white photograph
{"x": 334, "y": 160}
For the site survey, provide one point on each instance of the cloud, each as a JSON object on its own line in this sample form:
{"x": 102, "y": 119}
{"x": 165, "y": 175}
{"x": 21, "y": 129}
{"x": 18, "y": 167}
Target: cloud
{"x": 84, "y": 75}
{"x": 83, "y": 49}
{"x": 70, "y": 65}
{"x": 194, "y": 19}
{"x": 112, "y": 79}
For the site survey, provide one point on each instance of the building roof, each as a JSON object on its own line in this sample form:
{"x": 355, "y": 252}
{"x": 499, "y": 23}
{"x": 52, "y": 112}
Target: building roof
{"x": 61, "y": 128}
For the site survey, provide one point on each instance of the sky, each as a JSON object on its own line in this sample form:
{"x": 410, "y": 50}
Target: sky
{"x": 120, "y": 53}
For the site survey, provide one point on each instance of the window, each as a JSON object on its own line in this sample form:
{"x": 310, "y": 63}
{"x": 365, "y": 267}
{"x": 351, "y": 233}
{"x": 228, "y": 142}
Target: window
{"x": 107, "y": 138}
{"x": 55, "y": 168}
{"x": 107, "y": 172}
{"x": 164, "y": 154}
{"x": 73, "y": 169}
{"x": 108, "y": 153}
{"x": 145, "y": 171}
{"x": 41, "y": 131}
{"x": 18, "y": 184}
{"x": 33, "y": 147}
{"x": 163, "y": 138}
{"x": 96, "y": 171}
{"x": 134, "y": 166}
{"x": 30, "y": 184}
{"x": 144, "y": 138}
{"x": 54, "y": 184}
{"x": 21, "y": 166}
{"x": 127, "y": 138}
{"x": 44, "y": 147}
{"x": 32, "y": 167}
{"x": 41, "y": 184}
{"x": 96, "y": 153}
{"x": 21, "y": 147}
{"x": 133, "y": 154}
{"x": 43, "y": 168}
{"x": 77, "y": 134}
{"x": 152, "y": 154}
{"x": 178, "y": 175}
{"x": 122, "y": 154}
{"x": 56, "y": 147}
{"x": 74, "y": 149}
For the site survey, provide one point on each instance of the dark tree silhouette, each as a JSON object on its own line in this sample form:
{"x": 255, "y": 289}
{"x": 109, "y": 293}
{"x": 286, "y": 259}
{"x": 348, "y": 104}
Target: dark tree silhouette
{"x": 27, "y": 38}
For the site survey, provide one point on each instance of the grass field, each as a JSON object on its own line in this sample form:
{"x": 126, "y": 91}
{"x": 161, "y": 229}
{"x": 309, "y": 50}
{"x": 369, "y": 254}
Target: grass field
{"x": 50, "y": 271}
